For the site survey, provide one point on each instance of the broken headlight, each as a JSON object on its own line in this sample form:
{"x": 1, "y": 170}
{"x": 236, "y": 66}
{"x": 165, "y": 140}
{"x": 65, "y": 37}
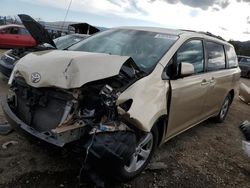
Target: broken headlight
{"x": 108, "y": 96}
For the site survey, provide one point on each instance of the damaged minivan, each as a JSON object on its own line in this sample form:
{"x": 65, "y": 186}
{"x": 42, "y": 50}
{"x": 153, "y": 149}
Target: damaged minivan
{"x": 121, "y": 93}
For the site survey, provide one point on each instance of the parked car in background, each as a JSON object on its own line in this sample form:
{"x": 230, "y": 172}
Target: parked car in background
{"x": 119, "y": 94}
{"x": 64, "y": 42}
{"x": 244, "y": 63}
{"x": 15, "y": 36}
{"x": 10, "y": 58}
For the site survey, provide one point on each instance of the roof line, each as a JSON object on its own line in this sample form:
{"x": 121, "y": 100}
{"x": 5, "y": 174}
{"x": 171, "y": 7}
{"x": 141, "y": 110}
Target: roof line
{"x": 205, "y": 33}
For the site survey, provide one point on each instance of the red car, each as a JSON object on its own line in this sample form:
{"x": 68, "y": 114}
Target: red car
{"x": 13, "y": 36}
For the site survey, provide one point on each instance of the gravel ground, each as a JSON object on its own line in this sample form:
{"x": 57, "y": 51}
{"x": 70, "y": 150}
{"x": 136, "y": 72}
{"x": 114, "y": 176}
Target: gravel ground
{"x": 2, "y": 51}
{"x": 208, "y": 155}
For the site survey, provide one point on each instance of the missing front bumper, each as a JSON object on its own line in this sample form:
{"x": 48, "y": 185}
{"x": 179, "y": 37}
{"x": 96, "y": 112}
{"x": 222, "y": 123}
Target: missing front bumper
{"x": 60, "y": 138}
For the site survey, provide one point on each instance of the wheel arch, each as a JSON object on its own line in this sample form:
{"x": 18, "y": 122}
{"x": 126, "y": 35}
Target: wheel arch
{"x": 231, "y": 93}
{"x": 161, "y": 125}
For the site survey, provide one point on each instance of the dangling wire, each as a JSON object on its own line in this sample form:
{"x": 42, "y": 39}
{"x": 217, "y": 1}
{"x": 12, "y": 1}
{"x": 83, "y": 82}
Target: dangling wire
{"x": 91, "y": 143}
{"x": 86, "y": 157}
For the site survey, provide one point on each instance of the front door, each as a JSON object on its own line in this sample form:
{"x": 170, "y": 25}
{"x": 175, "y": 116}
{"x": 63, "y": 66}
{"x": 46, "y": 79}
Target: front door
{"x": 189, "y": 93}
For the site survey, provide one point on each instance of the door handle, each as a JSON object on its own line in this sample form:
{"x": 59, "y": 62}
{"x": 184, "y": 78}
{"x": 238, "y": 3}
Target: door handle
{"x": 212, "y": 80}
{"x": 204, "y": 82}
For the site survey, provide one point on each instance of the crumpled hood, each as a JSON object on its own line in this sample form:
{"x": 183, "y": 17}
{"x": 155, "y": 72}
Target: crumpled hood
{"x": 67, "y": 69}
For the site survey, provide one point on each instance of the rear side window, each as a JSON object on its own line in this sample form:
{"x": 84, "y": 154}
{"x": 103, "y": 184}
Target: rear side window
{"x": 231, "y": 56}
{"x": 216, "y": 56}
{"x": 192, "y": 52}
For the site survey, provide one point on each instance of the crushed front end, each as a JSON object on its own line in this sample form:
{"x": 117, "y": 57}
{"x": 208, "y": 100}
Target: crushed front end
{"x": 89, "y": 120}
{"x": 61, "y": 116}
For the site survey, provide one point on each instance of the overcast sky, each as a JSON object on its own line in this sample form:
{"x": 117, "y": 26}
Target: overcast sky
{"x": 227, "y": 18}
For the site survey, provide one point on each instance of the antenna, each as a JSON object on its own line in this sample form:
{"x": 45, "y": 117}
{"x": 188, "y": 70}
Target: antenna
{"x": 66, "y": 14}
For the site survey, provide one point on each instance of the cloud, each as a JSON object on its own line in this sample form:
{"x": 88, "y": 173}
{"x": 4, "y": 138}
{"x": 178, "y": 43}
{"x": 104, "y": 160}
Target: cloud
{"x": 223, "y": 28}
{"x": 248, "y": 20}
{"x": 246, "y": 1}
{"x": 128, "y": 5}
{"x": 246, "y": 32}
{"x": 224, "y": 4}
{"x": 204, "y": 5}
{"x": 215, "y": 9}
{"x": 115, "y": 2}
{"x": 227, "y": 18}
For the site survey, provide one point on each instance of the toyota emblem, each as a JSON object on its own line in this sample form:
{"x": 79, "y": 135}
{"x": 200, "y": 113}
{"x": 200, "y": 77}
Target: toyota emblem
{"x": 35, "y": 77}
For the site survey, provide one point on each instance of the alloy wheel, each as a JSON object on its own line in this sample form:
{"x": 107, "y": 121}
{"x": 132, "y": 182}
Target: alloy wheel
{"x": 141, "y": 154}
{"x": 224, "y": 108}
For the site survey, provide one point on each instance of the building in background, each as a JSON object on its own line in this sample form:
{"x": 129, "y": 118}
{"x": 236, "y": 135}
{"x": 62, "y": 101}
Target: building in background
{"x": 57, "y": 29}
{"x": 9, "y": 20}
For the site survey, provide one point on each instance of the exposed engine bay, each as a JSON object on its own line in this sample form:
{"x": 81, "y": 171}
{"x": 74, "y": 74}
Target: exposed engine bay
{"x": 12, "y": 56}
{"x": 18, "y": 53}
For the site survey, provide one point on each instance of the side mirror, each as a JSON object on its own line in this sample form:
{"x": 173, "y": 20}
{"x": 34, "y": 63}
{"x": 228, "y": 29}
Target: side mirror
{"x": 187, "y": 69}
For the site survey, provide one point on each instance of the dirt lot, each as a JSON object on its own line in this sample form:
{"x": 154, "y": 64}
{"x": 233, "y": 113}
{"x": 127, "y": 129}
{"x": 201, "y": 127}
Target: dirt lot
{"x": 2, "y": 51}
{"x": 208, "y": 155}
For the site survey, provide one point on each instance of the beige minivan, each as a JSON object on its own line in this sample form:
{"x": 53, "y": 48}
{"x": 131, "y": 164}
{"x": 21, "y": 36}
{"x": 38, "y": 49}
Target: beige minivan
{"x": 122, "y": 92}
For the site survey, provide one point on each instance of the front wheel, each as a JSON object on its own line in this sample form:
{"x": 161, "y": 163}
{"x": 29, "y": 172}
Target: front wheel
{"x": 140, "y": 159}
{"x": 224, "y": 109}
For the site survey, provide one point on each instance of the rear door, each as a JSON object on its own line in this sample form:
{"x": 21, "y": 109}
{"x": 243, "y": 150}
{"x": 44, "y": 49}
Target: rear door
{"x": 188, "y": 93}
{"x": 220, "y": 77}
{"x": 25, "y": 38}
{"x": 14, "y": 37}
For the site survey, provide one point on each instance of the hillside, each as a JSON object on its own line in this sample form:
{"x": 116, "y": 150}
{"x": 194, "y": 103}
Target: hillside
{"x": 242, "y": 48}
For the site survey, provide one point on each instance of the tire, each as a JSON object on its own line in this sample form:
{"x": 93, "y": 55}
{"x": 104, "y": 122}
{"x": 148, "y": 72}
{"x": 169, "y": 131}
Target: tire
{"x": 248, "y": 75}
{"x": 129, "y": 171}
{"x": 224, "y": 109}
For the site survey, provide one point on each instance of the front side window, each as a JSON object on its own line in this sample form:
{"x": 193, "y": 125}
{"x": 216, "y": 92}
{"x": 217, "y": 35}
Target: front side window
{"x": 146, "y": 48}
{"x": 5, "y": 31}
{"x": 192, "y": 52}
{"x": 231, "y": 56}
{"x": 14, "y": 30}
{"x": 216, "y": 56}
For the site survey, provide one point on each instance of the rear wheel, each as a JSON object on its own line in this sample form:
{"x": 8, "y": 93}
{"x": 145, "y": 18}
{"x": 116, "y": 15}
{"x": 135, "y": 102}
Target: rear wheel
{"x": 224, "y": 109}
{"x": 140, "y": 159}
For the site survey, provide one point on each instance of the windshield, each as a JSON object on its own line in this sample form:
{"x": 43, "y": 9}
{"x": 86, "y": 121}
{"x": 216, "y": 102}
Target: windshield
{"x": 146, "y": 48}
